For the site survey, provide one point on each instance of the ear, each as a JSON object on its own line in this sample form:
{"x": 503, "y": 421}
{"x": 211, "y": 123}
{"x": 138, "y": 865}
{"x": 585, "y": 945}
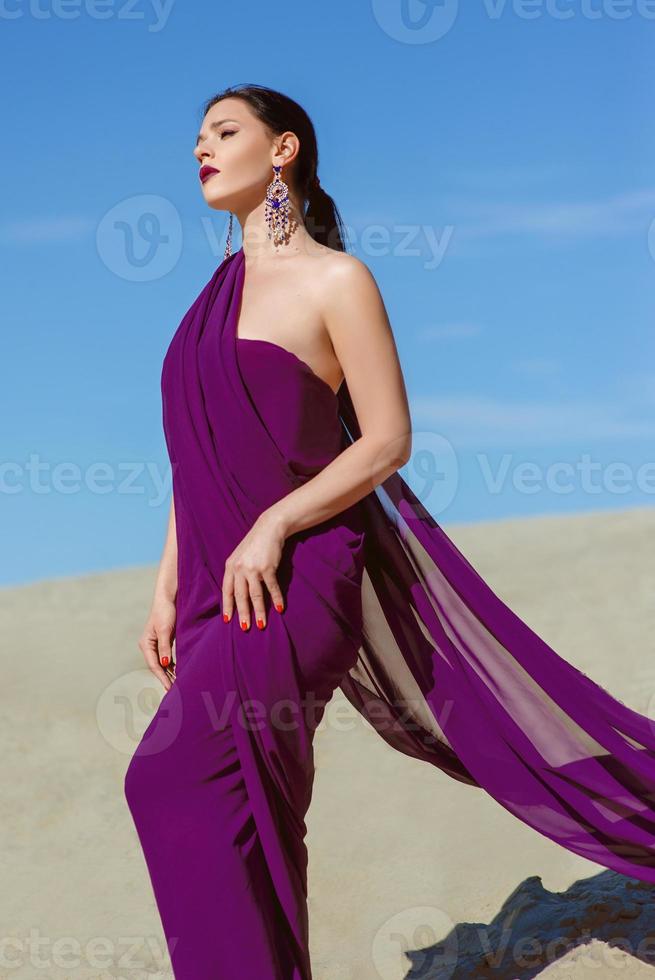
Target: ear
{"x": 286, "y": 147}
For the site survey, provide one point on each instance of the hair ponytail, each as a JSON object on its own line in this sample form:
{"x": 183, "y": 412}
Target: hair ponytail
{"x": 323, "y": 220}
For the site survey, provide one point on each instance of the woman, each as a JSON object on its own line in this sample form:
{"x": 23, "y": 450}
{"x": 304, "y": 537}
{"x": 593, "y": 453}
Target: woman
{"x": 289, "y": 511}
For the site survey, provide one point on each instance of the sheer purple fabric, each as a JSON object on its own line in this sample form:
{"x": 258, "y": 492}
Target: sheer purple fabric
{"x": 378, "y": 601}
{"x": 448, "y": 673}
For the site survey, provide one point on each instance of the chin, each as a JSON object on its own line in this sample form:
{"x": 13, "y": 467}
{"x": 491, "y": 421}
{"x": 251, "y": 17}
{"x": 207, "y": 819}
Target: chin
{"x": 217, "y": 202}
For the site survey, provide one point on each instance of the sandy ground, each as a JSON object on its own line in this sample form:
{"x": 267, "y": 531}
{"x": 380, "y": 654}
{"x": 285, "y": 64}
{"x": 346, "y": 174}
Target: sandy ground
{"x": 408, "y": 868}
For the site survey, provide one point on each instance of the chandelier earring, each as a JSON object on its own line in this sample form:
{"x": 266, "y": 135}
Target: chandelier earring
{"x": 228, "y": 243}
{"x": 277, "y": 209}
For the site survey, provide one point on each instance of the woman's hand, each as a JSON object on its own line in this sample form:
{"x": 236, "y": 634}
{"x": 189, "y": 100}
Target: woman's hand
{"x": 251, "y": 565}
{"x": 157, "y": 639}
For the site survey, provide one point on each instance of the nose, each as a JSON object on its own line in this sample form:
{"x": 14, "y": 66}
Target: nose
{"x": 200, "y": 152}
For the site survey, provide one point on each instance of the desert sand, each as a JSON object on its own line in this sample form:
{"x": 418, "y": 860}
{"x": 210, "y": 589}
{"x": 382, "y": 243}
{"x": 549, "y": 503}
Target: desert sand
{"x": 410, "y": 871}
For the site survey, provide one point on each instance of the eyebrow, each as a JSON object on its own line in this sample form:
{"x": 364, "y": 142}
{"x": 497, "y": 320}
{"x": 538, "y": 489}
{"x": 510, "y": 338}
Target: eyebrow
{"x": 214, "y": 126}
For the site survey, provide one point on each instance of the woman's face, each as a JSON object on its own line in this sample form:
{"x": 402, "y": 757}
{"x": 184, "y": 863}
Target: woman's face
{"x": 234, "y": 142}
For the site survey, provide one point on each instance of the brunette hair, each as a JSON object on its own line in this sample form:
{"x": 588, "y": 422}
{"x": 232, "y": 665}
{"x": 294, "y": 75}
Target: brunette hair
{"x": 278, "y": 113}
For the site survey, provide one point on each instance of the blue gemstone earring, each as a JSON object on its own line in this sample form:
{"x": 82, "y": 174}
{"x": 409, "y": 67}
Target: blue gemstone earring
{"x": 228, "y": 243}
{"x": 276, "y": 209}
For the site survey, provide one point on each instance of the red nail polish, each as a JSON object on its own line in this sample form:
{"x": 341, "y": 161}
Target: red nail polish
{"x": 164, "y": 661}
{"x": 226, "y": 618}
{"x": 279, "y": 606}
{"x": 244, "y": 625}
{"x": 260, "y": 624}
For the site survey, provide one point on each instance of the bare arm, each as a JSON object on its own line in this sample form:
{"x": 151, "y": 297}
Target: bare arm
{"x": 361, "y": 335}
{"x": 156, "y": 641}
{"x": 166, "y": 582}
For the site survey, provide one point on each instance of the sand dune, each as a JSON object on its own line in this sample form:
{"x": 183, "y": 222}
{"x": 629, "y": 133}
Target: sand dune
{"x": 407, "y": 867}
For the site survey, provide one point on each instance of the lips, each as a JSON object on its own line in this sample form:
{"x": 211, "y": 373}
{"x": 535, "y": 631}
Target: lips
{"x": 206, "y": 172}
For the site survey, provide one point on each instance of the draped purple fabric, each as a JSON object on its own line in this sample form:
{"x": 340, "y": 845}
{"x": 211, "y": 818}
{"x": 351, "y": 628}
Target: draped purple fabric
{"x": 378, "y": 601}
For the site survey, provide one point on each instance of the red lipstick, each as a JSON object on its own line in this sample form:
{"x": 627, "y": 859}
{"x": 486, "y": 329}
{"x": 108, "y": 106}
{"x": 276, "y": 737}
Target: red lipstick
{"x": 206, "y": 172}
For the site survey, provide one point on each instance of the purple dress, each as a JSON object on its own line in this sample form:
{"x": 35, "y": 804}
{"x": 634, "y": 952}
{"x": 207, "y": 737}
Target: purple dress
{"x": 379, "y": 602}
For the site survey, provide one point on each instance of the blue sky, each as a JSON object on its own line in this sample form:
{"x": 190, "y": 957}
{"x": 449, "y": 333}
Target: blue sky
{"x": 494, "y": 164}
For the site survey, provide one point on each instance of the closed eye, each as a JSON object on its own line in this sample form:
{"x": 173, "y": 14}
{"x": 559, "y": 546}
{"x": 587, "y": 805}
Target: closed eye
{"x": 228, "y": 132}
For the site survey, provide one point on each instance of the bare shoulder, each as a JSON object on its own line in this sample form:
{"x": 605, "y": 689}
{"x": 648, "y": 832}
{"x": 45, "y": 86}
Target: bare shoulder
{"x": 347, "y": 289}
{"x": 349, "y": 295}
{"x": 344, "y": 271}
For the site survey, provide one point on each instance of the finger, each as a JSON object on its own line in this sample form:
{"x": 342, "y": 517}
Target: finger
{"x": 165, "y": 648}
{"x": 148, "y": 647}
{"x": 166, "y": 658}
{"x": 257, "y": 598}
{"x": 273, "y": 586}
{"x": 166, "y": 681}
{"x": 241, "y": 599}
{"x": 228, "y": 592}
{"x": 151, "y": 656}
